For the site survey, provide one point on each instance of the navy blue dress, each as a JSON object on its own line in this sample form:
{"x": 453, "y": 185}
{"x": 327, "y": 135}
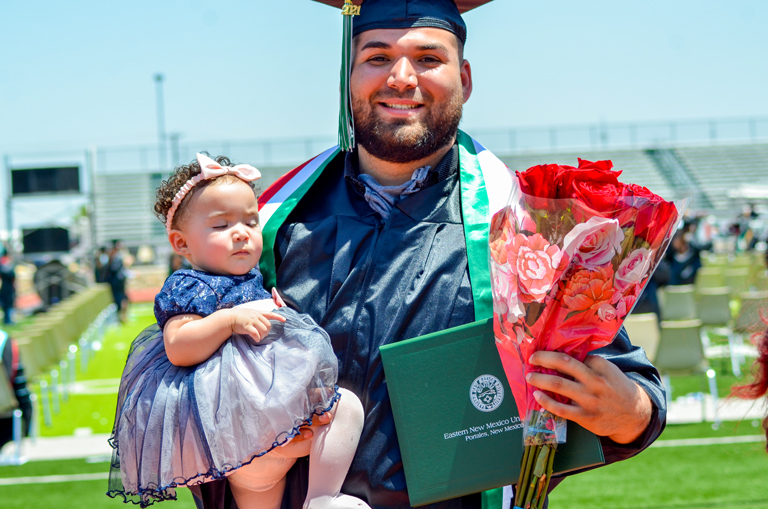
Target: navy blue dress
{"x": 181, "y": 426}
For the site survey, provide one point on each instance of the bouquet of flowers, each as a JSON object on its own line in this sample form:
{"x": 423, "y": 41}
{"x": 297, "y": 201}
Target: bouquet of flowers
{"x": 570, "y": 254}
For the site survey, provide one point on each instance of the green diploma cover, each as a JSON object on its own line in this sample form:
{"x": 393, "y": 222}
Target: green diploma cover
{"x": 456, "y": 418}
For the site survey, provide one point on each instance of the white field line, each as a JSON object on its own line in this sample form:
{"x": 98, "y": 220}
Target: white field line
{"x": 105, "y": 475}
{"x": 709, "y": 441}
{"x": 101, "y": 386}
{"x": 54, "y": 478}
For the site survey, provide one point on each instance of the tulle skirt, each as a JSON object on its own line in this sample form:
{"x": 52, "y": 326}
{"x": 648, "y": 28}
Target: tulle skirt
{"x": 180, "y": 426}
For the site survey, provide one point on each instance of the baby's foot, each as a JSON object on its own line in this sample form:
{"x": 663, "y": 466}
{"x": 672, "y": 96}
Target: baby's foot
{"x": 339, "y": 502}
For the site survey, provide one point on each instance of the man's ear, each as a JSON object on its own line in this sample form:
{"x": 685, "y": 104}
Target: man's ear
{"x": 178, "y": 242}
{"x": 466, "y": 79}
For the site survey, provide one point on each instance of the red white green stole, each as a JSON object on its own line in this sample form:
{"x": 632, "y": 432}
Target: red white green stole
{"x": 486, "y": 184}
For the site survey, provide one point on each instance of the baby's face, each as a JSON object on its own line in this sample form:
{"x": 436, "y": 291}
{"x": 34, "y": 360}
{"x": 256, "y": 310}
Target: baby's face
{"x": 222, "y": 230}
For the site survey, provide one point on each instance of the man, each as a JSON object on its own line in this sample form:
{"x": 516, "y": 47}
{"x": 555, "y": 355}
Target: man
{"x": 7, "y": 285}
{"x": 115, "y": 275}
{"x": 383, "y": 243}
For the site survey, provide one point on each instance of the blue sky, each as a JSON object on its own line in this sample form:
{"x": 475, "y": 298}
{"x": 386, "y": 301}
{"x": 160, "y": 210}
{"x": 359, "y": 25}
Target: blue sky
{"x": 79, "y": 73}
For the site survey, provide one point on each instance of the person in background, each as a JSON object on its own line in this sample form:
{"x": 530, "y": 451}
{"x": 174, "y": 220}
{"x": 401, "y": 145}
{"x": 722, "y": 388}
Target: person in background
{"x": 177, "y": 262}
{"x": 100, "y": 263}
{"x": 116, "y": 276}
{"x": 9, "y": 358}
{"x": 8, "y": 288}
{"x": 742, "y": 228}
{"x": 684, "y": 256}
{"x": 648, "y": 301}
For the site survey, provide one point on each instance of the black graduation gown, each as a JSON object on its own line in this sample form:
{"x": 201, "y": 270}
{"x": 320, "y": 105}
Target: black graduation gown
{"x": 370, "y": 282}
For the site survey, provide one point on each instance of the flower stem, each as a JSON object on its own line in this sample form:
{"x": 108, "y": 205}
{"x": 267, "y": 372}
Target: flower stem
{"x": 538, "y": 498}
{"x": 529, "y": 492}
{"x": 521, "y": 479}
{"x": 550, "y": 465}
{"x": 539, "y": 472}
{"x": 522, "y": 488}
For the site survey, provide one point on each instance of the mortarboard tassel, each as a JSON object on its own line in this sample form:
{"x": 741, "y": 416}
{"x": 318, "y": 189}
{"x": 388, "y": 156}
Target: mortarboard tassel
{"x": 346, "y": 122}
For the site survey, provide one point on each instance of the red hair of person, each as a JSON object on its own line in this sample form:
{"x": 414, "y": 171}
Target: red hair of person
{"x": 759, "y": 386}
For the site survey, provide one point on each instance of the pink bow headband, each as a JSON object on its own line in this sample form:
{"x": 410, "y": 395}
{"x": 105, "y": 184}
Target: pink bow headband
{"x": 209, "y": 169}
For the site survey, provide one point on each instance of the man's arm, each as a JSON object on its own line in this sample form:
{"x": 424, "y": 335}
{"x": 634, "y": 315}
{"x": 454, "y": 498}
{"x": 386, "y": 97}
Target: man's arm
{"x": 616, "y": 394}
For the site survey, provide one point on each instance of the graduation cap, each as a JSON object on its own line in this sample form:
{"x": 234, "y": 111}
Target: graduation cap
{"x": 378, "y": 14}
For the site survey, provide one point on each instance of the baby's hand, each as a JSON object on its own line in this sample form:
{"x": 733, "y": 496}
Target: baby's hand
{"x": 253, "y": 323}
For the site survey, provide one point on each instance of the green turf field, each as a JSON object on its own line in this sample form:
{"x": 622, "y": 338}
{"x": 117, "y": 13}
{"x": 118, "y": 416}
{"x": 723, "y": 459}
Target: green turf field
{"x": 701, "y": 476}
{"x": 94, "y": 405}
{"x": 69, "y": 493}
{"x": 708, "y": 476}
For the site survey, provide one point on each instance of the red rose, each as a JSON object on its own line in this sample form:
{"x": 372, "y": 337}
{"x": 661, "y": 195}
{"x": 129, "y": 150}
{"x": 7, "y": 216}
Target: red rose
{"x": 541, "y": 181}
{"x": 643, "y": 192}
{"x": 594, "y": 184}
{"x": 654, "y": 216}
{"x": 599, "y": 197}
{"x": 594, "y": 172}
{"x": 654, "y": 220}
{"x": 602, "y": 166}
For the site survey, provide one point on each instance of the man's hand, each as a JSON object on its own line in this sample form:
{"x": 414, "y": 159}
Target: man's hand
{"x": 603, "y": 399}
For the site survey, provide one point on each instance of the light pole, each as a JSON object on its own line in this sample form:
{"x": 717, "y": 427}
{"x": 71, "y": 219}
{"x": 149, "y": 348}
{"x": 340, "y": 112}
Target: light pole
{"x": 160, "y": 118}
{"x": 175, "y": 154}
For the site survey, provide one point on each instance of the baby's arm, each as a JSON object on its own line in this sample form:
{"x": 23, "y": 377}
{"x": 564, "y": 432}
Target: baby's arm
{"x": 191, "y": 339}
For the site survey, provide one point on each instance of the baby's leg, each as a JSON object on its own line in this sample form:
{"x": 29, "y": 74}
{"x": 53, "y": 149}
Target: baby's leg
{"x": 333, "y": 447}
{"x": 260, "y": 484}
{"x": 247, "y": 498}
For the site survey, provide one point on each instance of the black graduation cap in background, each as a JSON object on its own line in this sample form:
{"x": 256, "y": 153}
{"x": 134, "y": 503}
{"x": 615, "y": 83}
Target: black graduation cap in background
{"x": 377, "y": 14}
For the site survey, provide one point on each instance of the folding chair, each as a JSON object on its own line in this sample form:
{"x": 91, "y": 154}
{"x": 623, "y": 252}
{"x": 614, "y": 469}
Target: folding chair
{"x": 759, "y": 282}
{"x": 35, "y": 359}
{"x": 679, "y": 303}
{"x": 643, "y": 330}
{"x": 681, "y": 353}
{"x": 715, "y": 315}
{"x": 710, "y": 277}
{"x": 749, "y": 319}
{"x": 736, "y": 280}
{"x": 714, "y": 306}
{"x": 714, "y": 260}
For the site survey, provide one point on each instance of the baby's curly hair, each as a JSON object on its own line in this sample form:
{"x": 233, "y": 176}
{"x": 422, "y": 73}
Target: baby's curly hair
{"x": 168, "y": 189}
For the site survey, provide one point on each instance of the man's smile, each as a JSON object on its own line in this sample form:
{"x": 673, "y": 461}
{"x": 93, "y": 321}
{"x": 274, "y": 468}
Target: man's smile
{"x": 400, "y": 107}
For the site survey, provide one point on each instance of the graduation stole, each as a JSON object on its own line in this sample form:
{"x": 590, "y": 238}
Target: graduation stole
{"x": 486, "y": 184}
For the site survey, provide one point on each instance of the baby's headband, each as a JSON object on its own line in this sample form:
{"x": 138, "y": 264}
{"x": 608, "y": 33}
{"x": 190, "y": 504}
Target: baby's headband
{"x": 209, "y": 169}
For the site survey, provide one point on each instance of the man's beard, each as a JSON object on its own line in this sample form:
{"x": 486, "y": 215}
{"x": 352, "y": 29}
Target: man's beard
{"x": 403, "y": 140}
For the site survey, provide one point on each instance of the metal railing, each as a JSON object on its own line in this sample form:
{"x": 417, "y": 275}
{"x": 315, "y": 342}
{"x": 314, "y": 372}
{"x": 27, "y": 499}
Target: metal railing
{"x": 601, "y": 136}
{"x": 286, "y": 152}
{"x": 275, "y": 156}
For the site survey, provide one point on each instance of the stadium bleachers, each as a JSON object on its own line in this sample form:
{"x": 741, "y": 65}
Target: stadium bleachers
{"x": 123, "y": 197}
{"x": 123, "y": 206}
{"x": 721, "y": 168}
